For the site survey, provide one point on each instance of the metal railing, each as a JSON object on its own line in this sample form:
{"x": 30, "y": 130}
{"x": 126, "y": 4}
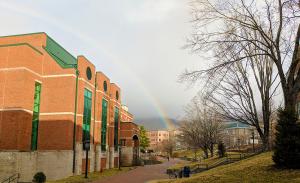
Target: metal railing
{"x": 13, "y": 178}
{"x": 228, "y": 159}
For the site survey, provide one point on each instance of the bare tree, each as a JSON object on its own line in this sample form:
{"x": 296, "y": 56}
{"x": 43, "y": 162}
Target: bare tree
{"x": 168, "y": 146}
{"x": 201, "y": 127}
{"x": 233, "y": 91}
{"x": 267, "y": 26}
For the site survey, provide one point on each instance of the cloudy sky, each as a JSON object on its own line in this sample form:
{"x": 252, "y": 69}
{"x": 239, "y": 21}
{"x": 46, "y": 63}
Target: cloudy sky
{"x": 137, "y": 43}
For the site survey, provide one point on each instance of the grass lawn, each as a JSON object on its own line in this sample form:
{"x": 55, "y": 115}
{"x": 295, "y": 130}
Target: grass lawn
{"x": 205, "y": 161}
{"x": 188, "y": 153}
{"x": 92, "y": 176}
{"x": 258, "y": 168}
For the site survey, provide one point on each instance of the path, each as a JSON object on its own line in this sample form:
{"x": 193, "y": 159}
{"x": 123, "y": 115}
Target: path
{"x": 141, "y": 174}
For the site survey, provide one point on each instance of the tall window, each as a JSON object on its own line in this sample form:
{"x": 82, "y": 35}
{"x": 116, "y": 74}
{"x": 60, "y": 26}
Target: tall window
{"x": 87, "y": 115}
{"x": 116, "y": 128}
{"x": 104, "y": 125}
{"x": 35, "y": 116}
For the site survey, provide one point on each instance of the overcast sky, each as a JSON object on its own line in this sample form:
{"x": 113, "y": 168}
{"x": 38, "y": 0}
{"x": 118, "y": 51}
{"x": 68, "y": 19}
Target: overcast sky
{"x": 137, "y": 43}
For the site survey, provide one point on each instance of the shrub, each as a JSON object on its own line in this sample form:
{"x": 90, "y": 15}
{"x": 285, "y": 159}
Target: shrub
{"x": 287, "y": 142}
{"x": 175, "y": 154}
{"x": 39, "y": 177}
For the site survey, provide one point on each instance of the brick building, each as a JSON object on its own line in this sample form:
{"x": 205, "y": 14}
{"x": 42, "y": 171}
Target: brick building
{"x": 50, "y": 103}
{"x": 129, "y": 139}
{"x": 156, "y": 138}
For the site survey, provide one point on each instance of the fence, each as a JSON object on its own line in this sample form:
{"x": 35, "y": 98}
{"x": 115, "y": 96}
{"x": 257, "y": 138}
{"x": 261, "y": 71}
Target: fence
{"x": 12, "y": 178}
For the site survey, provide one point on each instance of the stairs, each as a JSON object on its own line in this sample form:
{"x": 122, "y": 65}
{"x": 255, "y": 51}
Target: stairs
{"x": 13, "y": 178}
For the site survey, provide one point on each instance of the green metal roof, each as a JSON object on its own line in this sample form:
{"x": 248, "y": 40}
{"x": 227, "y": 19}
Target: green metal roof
{"x": 59, "y": 54}
{"x": 236, "y": 124}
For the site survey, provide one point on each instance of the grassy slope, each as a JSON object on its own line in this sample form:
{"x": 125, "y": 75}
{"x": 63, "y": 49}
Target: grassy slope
{"x": 206, "y": 161}
{"x": 188, "y": 153}
{"x": 255, "y": 169}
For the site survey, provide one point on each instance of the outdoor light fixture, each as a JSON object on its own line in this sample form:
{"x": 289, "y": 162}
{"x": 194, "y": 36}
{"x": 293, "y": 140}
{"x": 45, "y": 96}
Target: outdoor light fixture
{"x": 86, "y": 147}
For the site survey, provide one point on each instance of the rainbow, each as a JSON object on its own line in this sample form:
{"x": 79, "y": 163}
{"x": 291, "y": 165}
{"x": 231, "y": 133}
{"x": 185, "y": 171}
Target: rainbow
{"x": 85, "y": 38}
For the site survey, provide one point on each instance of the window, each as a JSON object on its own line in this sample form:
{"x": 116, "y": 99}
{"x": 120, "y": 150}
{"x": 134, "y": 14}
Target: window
{"x": 117, "y": 95}
{"x": 35, "y": 116}
{"x": 105, "y": 86}
{"x": 89, "y": 73}
{"x": 104, "y": 125}
{"x": 116, "y": 128}
{"x": 87, "y": 115}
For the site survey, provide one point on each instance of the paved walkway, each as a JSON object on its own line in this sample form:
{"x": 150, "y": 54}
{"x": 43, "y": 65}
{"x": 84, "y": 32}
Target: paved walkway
{"x": 141, "y": 174}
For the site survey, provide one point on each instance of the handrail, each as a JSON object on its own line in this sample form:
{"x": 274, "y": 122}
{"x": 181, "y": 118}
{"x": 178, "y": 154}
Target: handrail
{"x": 12, "y": 178}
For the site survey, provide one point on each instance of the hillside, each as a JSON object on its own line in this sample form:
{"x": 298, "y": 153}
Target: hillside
{"x": 258, "y": 169}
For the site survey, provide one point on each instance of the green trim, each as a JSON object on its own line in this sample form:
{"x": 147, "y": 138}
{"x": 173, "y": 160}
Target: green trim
{"x": 86, "y": 125}
{"x": 104, "y": 124}
{"x": 22, "y": 44}
{"x": 95, "y": 97}
{"x": 59, "y": 54}
{"x": 116, "y": 123}
{"x": 35, "y": 116}
{"x": 27, "y": 34}
{"x": 75, "y": 120}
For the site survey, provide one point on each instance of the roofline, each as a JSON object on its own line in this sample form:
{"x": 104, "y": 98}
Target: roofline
{"x": 86, "y": 59}
{"x": 60, "y": 46}
{"x": 103, "y": 74}
{"x": 26, "y": 34}
{"x": 129, "y": 122}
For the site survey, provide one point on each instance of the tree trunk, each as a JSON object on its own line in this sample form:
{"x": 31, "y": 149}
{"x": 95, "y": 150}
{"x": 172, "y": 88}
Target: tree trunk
{"x": 291, "y": 101}
{"x": 205, "y": 150}
{"x": 264, "y": 136}
{"x": 211, "y": 150}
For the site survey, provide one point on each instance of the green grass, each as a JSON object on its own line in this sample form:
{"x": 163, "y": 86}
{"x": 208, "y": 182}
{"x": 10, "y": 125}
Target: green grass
{"x": 205, "y": 161}
{"x": 188, "y": 153}
{"x": 257, "y": 169}
{"x": 92, "y": 176}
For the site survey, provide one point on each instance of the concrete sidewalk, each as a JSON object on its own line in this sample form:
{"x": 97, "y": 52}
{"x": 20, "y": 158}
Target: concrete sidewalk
{"x": 141, "y": 174}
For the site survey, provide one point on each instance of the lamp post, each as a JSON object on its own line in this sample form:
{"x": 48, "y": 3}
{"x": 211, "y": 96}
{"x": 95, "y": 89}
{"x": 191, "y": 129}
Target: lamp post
{"x": 120, "y": 147}
{"x": 86, "y": 147}
{"x": 239, "y": 144}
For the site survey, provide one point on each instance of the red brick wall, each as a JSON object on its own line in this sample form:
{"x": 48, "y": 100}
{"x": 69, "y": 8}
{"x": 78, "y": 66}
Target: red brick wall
{"x": 103, "y": 163}
{"x": 128, "y": 130}
{"x": 116, "y": 162}
{"x": 15, "y": 130}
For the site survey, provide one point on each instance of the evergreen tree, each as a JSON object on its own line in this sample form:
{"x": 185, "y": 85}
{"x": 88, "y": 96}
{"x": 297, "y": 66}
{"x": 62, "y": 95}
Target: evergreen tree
{"x": 287, "y": 142}
{"x": 144, "y": 140}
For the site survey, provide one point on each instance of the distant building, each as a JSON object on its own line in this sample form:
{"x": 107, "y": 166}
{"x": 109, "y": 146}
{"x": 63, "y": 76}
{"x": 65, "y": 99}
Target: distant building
{"x": 238, "y": 134}
{"x": 156, "y": 137}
